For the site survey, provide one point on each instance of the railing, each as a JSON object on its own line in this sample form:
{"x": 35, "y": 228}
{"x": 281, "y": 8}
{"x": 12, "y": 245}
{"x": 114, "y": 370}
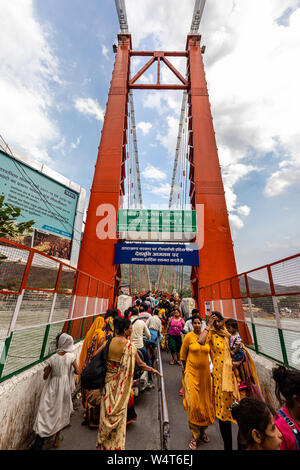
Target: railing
{"x": 163, "y": 407}
{"x": 41, "y": 297}
{"x": 266, "y": 303}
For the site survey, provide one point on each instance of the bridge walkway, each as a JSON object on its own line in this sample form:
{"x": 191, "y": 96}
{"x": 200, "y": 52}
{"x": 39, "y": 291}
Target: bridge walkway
{"x": 144, "y": 433}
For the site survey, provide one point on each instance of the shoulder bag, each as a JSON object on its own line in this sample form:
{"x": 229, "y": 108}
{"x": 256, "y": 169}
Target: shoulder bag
{"x": 93, "y": 375}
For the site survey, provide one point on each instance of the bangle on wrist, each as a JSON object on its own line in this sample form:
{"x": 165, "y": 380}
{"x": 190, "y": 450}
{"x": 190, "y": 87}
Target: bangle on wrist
{"x": 207, "y": 329}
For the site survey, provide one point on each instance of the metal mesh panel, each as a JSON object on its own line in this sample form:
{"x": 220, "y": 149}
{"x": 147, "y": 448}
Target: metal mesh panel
{"x": 99, "y": 309}
{"x": 258, "y": 282}
{"x": 62, "y": 307}
{"x": 104, "y": 305}
{"x": 91, "y": 306}
{"x": 269, "y": 342}
{"x": 263, "y": 310}
{"x": 215, "y": 290}
{"x": 242, "y": 286}
{"x": 289, "y": 311}
{"x": 292, "y": 346}
{"x": 227, "y": 308}
{"x": 54, "y": 330}
{"x": 35, "y": 309}
{"x": 67, "y": 279}
{"x": 250, "y": 330}
{"x": 2, "y": 343}
{"x": 75, "y": 330}
{"x": 286, "y": 276}
{"x": 217, "y": 306}
{"x": 87, "y": 324}
{"x": 12, "y": 267}
{"x": 235, "y": 286}
{"x": 7, "y": 307}
{"x": 43, "y": 273}
{"x": 225, "y": 287}
{"x": 246, "y": 309}
{"x": 25, "y": 348}
{"x": 239, "y": 309}
{"x": 79, "y": 307}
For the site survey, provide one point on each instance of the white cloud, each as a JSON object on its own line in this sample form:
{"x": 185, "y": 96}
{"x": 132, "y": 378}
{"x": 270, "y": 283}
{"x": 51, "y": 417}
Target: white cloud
{"x": 104, "y": 50}
{"x": 236, "y": 221}
{"x": 89, "y": 107}
{"x": 144, "y": 126}
{"x": 244, "y": 210}
{"x": 60, "y": 146}
{"x": 169, "y": 139}
{"x": 28, "y": 68}
{"x": 253, "y": 83}
{"x": 153, "y": 173}
{"x": 76, "y": 144}
{"x": 162, "y": 190}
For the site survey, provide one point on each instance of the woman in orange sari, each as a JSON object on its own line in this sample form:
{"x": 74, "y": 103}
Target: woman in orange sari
{"x": 94, "y": 338}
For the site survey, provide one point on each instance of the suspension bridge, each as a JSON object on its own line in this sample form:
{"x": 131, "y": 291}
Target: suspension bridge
{"x": 41, "y": 295}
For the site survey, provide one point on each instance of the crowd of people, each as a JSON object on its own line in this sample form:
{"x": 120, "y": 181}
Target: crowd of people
{"x": 218, "y": 377}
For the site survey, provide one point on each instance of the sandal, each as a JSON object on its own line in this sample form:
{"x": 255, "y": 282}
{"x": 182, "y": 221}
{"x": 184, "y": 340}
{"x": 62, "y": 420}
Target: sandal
{"x": 172, "y": 363}
{"x": 150, "y": 387}
{"x": 204, "y": 437}
{"x": 193, "y": 444}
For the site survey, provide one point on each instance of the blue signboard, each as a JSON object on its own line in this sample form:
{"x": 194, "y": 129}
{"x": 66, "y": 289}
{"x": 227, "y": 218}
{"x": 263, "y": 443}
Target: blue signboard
{"x": 186, "y": 254}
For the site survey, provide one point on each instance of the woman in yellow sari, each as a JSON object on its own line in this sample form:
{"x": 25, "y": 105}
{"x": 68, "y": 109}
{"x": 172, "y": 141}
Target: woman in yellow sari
{"x": 197, "y": 384}
{"x": 94, "y": 338}
{"x": 115, "y": 394}
{"x": 225, "y": 384}
{"x": 164, "y": 322}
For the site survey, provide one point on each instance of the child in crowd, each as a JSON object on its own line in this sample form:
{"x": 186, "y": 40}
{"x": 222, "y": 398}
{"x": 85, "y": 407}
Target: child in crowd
{"x": 287, "y": 392}
{"x": 55, "y": 407}
{"x": 236, "y": 350}
{"x": 257, "y": 429}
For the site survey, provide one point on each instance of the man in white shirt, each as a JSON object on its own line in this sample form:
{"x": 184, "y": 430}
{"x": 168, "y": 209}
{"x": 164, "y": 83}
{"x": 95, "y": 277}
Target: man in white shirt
{"x": 143, "y": 315}
{"x": 139, "y": 329}
{"x": 188, "y": 327}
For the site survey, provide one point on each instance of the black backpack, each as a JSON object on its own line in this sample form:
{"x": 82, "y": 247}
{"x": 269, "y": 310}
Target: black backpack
{"x": 93, "y": 375}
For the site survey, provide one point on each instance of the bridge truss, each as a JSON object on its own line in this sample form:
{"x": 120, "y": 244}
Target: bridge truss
{"x": 196, "y": 174}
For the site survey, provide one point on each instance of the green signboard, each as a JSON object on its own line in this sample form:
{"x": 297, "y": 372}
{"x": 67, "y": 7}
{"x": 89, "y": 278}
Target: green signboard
{"x": 137, "y": 220}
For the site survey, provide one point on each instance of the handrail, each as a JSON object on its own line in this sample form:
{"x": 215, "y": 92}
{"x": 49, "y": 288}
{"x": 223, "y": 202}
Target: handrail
{"x": 163, "y": 407}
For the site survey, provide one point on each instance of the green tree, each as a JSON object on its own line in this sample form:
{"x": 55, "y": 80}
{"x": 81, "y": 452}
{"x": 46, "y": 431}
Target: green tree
{"x": 9, "y": 227}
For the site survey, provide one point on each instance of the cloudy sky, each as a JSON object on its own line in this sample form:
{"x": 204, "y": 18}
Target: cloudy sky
{"x": 56, "y": 61}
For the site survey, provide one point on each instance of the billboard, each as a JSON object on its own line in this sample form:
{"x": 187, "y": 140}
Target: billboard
{"x": 54, "y": 203}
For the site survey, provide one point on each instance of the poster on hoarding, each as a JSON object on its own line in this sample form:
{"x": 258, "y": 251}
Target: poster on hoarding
{"x": 50, "y": 204}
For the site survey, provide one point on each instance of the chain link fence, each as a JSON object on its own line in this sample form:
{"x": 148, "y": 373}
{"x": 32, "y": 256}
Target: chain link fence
{"x": 266, "y": 303}
{"x": 41, "y": 297}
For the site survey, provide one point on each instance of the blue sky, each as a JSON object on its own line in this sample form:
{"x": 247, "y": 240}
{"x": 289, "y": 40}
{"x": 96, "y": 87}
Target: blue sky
{"x": 56, "y": 62}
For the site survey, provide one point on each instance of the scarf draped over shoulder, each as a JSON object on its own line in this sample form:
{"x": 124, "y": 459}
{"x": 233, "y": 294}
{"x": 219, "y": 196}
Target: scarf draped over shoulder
{"x": 229, "y": 382}
{"x": 95, "y": 330}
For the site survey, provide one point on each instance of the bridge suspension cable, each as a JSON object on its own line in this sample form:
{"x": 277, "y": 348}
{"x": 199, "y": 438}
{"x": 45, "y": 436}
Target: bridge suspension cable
{"x": 172, "y": 278}
{"x": 197, "y": 16}
{"x": 121, "y": 10}
{"x": 138, "y": 275}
